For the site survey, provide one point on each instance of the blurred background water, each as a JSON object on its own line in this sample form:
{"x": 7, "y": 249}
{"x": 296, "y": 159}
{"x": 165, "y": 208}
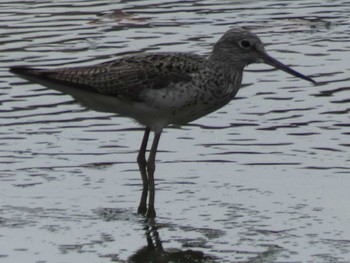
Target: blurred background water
{"x": 264, "y": 179}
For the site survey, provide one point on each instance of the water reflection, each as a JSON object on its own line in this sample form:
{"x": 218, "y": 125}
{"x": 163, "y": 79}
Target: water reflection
{"x": 154, "y": 251}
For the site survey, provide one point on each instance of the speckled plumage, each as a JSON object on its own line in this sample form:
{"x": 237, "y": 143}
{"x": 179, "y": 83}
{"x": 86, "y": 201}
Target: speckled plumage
{"x": 158, "y": 89}
{"x": 174, "y": 88}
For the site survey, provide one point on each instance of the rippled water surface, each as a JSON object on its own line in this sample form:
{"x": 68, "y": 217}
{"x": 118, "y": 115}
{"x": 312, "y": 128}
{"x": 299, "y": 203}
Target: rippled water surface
{"x": 264, "y": 179}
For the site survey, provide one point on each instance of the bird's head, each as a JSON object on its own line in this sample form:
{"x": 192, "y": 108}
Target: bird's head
{"x": 241, "y": 47}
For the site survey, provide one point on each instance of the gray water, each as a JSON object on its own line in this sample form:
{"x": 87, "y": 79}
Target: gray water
{"x": 264, "y": 179}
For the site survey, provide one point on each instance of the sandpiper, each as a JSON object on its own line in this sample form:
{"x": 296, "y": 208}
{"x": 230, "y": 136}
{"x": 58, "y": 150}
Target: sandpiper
{"x": 159, "y": 89}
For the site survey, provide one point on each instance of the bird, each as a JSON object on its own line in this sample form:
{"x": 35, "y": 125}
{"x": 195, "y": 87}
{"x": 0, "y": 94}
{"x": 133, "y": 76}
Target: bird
{"x": 158, "y": 89}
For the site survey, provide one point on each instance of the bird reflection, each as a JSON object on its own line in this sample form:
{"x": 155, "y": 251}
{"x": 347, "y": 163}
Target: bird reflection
{"x": 155, "y": 253}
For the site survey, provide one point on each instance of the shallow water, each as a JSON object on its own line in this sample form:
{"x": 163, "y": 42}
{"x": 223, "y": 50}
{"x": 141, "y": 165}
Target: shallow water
{"x": 264, "y": 179}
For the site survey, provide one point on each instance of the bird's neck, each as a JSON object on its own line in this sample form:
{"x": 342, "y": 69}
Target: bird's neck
{"x": 230, "y": 69}
{"x": 228, "y": 64}
{"x": 232, "y": 76}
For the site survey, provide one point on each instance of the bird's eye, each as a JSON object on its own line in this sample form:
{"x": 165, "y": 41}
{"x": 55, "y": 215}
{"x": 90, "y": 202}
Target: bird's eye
{"x": 245, "y": 44}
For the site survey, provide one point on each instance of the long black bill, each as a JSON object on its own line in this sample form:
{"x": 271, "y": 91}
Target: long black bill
{"x": 275, "y": 63}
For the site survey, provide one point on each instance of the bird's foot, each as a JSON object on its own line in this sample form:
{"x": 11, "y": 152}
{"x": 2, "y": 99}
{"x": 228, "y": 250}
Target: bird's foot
{"x": 142, "y": 210}
{"x": 151, "y": 213}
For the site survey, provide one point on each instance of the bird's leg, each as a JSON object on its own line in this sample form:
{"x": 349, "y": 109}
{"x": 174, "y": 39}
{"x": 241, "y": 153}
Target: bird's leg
{"x": 141, "y": 160}
{"x": 150, "y": 171}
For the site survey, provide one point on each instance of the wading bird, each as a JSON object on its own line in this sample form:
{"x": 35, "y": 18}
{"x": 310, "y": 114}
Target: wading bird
{"x": 159, "y": 89}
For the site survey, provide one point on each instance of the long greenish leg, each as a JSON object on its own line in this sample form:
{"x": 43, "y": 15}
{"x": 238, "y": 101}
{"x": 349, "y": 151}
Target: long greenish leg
{"x": 141, "y": 160}
{"x": 151, "y": 213}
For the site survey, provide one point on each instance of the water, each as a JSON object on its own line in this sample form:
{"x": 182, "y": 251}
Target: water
{"x": 264, "y": 179}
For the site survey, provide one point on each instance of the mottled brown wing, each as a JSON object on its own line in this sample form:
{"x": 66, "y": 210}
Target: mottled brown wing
{"x": 127, "y": 76}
